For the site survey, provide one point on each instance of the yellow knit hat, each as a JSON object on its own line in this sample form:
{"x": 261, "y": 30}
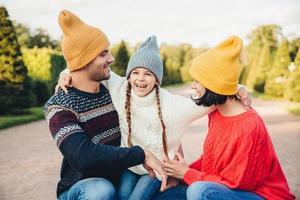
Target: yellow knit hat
{"x": 218, "y": 69}
{"x": 81, "y": 43}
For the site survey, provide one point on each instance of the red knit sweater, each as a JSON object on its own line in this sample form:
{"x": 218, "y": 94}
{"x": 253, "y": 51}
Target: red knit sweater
{"x": 238, "y": 152}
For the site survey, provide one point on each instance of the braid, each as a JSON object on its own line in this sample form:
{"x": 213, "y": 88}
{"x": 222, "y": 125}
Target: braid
{"x": 164, "y": 136}
{"x": 128, "y": 113}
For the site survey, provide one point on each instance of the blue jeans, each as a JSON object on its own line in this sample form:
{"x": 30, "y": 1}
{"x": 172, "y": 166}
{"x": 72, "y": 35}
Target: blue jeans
{"x": 133, "y": 186}
{"x": 90, "y": 189}
{"x": 175, "y": 193}
{"x": 204, "y": 190}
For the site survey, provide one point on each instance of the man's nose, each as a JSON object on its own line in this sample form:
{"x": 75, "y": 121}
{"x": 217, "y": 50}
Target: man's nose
{"x": 111, "y": 59}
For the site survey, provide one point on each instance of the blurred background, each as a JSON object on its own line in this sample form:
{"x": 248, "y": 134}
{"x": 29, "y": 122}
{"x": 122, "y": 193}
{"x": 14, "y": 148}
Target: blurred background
{"x": 31, "y": 58}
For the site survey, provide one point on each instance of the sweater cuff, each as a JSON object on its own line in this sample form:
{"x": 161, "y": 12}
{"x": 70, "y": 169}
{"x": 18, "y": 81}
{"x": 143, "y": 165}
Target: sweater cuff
{"x": 139, "y": 155}
{"x": 192, "y": 176}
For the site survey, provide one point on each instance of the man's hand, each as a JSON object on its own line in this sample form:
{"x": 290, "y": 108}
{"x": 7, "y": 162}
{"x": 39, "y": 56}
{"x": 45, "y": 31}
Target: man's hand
{"x": 244, "y": 96}
{"x": 152, "y": 163}
{"x": 64, "y": 81}
{"x": 177, "y": 167}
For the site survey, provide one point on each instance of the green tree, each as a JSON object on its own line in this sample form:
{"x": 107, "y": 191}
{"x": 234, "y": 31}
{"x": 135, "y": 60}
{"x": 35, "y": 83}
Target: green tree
{"x": 44, "y": 66}
{"x": 278, "y": 76}
{"x": 58, "y": 64}
{"x": 173, "y": 60}
{"x": 254, "y": 65}
{"x": 15, "y": 85}
{"x": 121, "y": 59}
{"x": 41, "y": 39}
{"x": 293, "y": 90}
{"x": 38, "y": 63}
{"x": 190, "y": 54}
{"x": 23, "y": 34}
{"x": 264, "y": 66}
{"x": 294, "y": 46}
{"x": 266, "y": 34}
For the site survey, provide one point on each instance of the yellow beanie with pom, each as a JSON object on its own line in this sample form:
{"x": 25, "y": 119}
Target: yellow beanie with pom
{"x": 81, "y": 43}
{"x": 218, "y": 69}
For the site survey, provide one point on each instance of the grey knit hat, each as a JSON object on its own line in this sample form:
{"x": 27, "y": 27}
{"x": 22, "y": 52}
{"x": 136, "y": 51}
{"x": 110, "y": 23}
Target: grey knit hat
{"x": 147, "y": 56}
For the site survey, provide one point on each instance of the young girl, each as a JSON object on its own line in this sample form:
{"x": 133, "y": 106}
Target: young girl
{"x": 149, "y": 116}
{"x": 239, "y": 160}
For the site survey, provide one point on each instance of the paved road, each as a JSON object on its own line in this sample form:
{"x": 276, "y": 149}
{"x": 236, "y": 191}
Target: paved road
{"x": 29, "y": 160}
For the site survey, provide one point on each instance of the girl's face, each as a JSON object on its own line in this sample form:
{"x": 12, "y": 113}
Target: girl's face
{"x": 142, "y": 81}
{"x": 198, "y": 90}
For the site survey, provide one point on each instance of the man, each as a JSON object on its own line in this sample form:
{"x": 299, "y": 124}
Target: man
{"x": 84, "y": 122}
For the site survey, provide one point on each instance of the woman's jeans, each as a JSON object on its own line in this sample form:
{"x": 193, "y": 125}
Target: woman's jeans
{"x": 204, "y": 190}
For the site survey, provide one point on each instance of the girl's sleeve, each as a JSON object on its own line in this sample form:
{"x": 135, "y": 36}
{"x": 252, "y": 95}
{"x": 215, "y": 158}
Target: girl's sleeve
{"x": 184, "y": 110}
{"x": 113, "y": 84}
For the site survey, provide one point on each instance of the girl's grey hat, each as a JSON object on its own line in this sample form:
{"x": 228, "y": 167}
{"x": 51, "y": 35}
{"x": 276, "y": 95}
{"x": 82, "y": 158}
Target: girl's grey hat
{"x": 147, "y": 56}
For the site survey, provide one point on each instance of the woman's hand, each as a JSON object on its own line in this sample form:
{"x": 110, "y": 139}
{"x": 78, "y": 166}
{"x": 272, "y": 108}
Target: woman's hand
{"x": 177, "y": 167}
{"x": 152, "y": 163}
{"x": 64, "y": 81}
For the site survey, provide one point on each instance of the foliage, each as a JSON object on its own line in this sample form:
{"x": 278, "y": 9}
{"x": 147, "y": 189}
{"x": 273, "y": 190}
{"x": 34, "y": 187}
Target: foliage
{"x": 292, "y": 91}
{"x": 15, "y": 85}
{"x": 278, "y": 76}
{"x": 121, "y": 59}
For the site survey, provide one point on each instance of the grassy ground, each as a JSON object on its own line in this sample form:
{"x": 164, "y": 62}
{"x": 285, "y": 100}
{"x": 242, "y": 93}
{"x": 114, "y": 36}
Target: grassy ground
{"x": 293, "y": 107}
{"x": 23, "y": 116}
{"x": 265, "y": 96}
{"x": 295, "y": 110}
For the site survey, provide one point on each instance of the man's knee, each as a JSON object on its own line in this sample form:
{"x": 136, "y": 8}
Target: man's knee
{"x": 99, "y": 188}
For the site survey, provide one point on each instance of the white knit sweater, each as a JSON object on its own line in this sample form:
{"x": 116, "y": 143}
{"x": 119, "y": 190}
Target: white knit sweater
{"x": 177, "y": 113}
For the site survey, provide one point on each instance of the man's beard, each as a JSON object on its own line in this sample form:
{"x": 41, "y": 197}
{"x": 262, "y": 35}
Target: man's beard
{"x": 101, "y": 77}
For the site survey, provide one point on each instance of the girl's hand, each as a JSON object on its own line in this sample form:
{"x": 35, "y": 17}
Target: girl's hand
{"x": 64, "y": 81}
{"x": 244, "y": 96}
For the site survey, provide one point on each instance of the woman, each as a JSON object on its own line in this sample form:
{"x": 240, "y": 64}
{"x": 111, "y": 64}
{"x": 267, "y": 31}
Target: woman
{"x": 238, "y": 160}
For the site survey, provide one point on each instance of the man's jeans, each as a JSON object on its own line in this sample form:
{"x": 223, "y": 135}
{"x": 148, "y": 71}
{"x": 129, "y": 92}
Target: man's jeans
{"x": 100, "y": 188}
{"x": 90, "y": 189}
{"x": 204, "y": 190}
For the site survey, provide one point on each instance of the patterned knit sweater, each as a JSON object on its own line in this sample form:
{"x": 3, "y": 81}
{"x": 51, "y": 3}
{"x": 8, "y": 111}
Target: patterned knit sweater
{"x": 238, "y": 152}
{"x": 177, "y": 113}
{"x": 86, "y": 129}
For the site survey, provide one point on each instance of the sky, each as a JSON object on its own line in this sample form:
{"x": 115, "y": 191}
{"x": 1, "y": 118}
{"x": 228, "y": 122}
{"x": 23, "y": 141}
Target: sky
{"x": 202, "y": 23}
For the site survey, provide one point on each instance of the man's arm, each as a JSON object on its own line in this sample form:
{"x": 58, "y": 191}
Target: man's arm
{"x": 82, "y": 153}
{"x": 85, "y": 156}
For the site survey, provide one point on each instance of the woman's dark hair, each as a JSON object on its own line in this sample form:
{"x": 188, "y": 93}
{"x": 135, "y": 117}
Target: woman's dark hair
{"x": 210, "y": 98}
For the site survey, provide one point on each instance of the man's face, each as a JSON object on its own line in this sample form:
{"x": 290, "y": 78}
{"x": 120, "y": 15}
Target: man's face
{"x": 98, "y": 69}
